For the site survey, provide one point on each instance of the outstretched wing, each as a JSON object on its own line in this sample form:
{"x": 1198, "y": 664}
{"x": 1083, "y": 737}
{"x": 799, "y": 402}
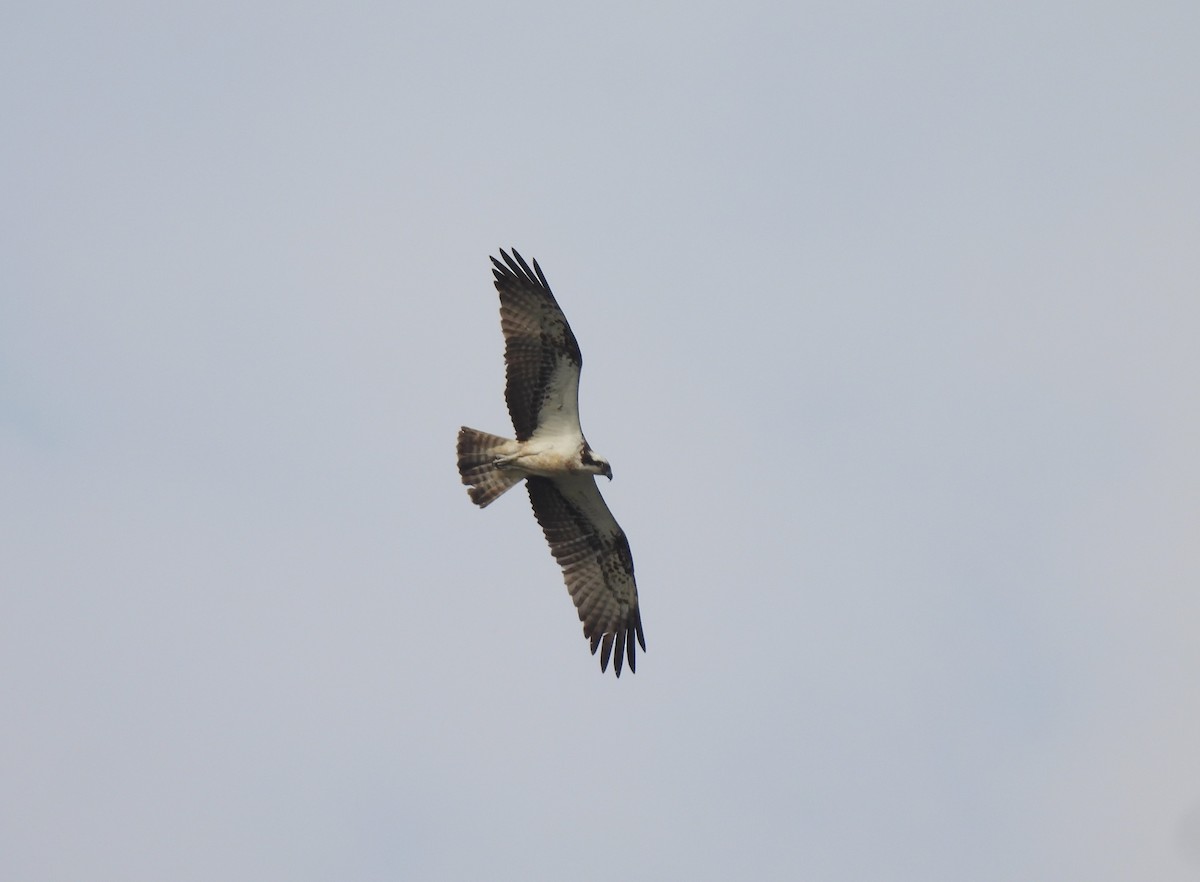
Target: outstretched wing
{"x": 541, "y": 357}
{"x": 594, "y": 555}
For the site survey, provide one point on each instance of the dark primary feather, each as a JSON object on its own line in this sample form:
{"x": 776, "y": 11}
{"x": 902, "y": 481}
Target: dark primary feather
{"x": 542, "y": 358}
{"x": 597, "y": 566}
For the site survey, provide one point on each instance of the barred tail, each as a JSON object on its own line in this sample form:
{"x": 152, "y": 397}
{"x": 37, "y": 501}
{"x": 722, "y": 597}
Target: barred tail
{"x": 476, "y": 452}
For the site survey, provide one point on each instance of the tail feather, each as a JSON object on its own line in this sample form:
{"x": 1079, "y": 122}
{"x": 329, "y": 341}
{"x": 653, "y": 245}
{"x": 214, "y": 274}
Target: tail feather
{"x": 477, "y": 452}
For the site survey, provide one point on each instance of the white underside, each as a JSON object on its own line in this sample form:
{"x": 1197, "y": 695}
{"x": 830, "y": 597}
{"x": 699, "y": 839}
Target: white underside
{"x": 547, "y": 457}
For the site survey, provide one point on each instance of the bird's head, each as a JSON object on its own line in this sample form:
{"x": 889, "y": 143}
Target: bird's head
{"x": 594, "y": 463}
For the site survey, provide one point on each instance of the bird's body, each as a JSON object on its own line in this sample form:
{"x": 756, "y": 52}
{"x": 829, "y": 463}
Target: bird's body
{"x": 558, "y": 465}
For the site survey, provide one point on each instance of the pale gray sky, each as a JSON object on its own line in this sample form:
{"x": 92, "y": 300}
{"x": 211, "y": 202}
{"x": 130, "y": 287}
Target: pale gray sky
{"x": 890, "y": 315}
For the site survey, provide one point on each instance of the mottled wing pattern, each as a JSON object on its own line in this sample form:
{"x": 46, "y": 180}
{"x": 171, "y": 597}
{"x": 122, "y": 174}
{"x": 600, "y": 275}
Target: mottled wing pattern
{"x": 541, "y": 357}
{"x": 594, "y": 555}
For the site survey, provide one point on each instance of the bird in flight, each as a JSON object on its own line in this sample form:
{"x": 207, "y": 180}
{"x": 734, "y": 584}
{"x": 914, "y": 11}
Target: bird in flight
{"x": 559, "y": 467}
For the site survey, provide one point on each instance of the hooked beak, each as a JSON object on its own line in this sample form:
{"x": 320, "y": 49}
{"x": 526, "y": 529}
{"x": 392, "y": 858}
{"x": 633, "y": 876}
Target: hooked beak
{"x": 608, "y": 473}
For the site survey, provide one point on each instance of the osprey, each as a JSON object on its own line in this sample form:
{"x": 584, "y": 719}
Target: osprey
{"x": 542, "y": 364}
